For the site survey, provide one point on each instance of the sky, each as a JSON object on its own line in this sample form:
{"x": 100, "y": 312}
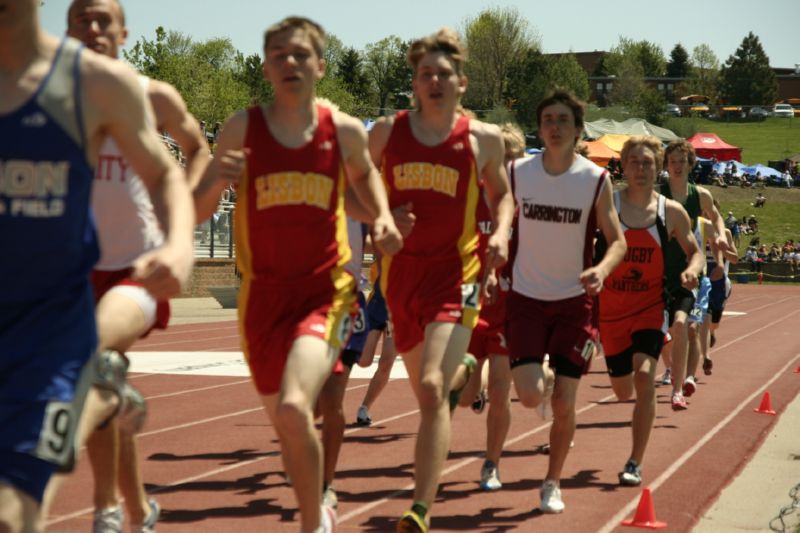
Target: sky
{"x": 594, "y": 26}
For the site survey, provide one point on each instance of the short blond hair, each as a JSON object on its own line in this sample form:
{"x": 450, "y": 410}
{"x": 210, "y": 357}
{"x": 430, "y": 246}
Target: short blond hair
{"x": 445, "y": 41}
{"x": 314, "y": 31}
{"x": 513, "y": 140}
{"x": 647, "y": 141}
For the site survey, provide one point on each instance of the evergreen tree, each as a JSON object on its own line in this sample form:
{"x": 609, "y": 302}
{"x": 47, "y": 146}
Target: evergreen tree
{"x": 350, "y": 73}
{"x": 747, "y": 77}
{"x": 678, "y": 64}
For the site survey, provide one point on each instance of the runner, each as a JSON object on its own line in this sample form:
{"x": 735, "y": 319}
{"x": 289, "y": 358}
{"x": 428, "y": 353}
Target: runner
{"x": 53, "y": 120}
{"x": 293, "y": 160}
{"x": 127, "y": 227}
{"x": 432, "y": 157}
{"x": 562, "y": 197}
{"x": 632, "y": 308}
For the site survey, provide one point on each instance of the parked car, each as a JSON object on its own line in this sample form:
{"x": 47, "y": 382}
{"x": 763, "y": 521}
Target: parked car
{"x": 672, "y": 109}
{"x": 783, "y": 110}
{"x": 758, "y": 112}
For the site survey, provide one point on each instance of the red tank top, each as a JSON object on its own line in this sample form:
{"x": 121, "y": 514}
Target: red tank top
{"x": 638, "y": 282}
{"x": 290, "y": 220}
{"x": 441, "y": 181}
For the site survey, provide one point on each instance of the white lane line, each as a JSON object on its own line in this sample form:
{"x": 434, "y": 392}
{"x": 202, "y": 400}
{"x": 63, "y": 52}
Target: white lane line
{"x": 190, "y": 391}
{"x": 206, "y": 339}
{"x": 410, "y": 487}
{"x": 615, "y": 521}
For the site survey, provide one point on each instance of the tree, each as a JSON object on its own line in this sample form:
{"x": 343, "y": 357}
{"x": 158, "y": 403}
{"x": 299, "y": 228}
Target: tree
{"x": 565, "y": 72}
{"x": 629, "y": 82}
{"x": 249, "y": 71}
{"x": 495, "y": 39}
{"x": 647, "y": 55}
{"x": 332, "y": 55}
{"x": 209, "y": 75}
{"x": 747, "y": 77}
{"x": 527, "y": 83}
{"x": 704, "y": 74}
{"x": 383, "y": 67}
{"x": 678, "y": 65}
{"x": 650, "y": 105}
{"x": 350, "y": 73}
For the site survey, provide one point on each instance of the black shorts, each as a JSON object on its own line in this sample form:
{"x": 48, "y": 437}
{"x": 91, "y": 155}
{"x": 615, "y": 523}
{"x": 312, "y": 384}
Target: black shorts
{"x": 349, "y": 357}
{"x": 680, "y": 299}
{"x": 646, "y": 341}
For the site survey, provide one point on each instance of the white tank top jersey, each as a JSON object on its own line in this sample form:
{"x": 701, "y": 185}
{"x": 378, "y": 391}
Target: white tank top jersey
{"x": 355, "y": 234}
{"x": 126, "y": 222}
{"x": 556, "y": 227}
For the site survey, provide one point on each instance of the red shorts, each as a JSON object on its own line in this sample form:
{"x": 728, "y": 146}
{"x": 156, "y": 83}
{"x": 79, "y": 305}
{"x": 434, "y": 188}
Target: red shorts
{"x": 419, "y": 292}
{"x": 616, "y": 334}
{"x": 489, "y": 335}
{"x": 105, "y": 280}
{"x": 561, "y": 328}
{"x": 272, "y": 317}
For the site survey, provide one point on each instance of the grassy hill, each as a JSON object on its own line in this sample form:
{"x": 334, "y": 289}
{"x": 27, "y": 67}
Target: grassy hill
{"x": 778, "y": 220}
{"x": 771, "y": 139}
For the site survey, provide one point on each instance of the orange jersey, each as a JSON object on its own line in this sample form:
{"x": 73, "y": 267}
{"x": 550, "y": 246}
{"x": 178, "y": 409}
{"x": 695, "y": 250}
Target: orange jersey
{"x": 637, "y": 283}
{"x": 290, "y": 220}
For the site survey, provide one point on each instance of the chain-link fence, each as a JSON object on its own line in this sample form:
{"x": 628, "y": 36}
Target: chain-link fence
{"x": 788, "y": 519}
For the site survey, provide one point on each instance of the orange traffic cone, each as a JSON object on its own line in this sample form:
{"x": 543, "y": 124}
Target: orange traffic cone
{"x": 766, "y": 405}
{"x": 760, "y": 278}
{"x": 645, "y": 514}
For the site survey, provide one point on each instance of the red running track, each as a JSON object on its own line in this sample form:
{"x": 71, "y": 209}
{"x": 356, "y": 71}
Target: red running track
{"x": 211, "y": 458}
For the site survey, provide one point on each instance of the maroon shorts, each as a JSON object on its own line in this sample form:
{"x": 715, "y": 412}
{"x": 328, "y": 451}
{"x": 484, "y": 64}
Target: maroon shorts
{"x": 272, "y": 317}
{"x": 419, "y": 292}
{"x": 561, "y": 328}
{"x": 104, "y": 280}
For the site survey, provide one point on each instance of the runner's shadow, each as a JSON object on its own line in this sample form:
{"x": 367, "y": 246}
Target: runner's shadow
{"x": 487, "y": 520}
{"x": 227, "y": 457}
{"x": 399, "y": 471}
{"x": 595, "y": 425}
{"x": 253, "y": 508}
{"x": 365, "y": 438}
{"x": 244, "y": 485}
{"x": 479, "y": 453}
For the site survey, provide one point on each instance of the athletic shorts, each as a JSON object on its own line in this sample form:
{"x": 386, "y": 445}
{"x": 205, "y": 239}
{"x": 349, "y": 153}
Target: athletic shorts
{"x": 561, "y": 328}
{"x": 44, "y": 348}
{"x": 720, "y": 292}
{"x": 420, "y": 292}
{"x": 377, "y": 315}
{"x": 156, "y": 312}
{"x": 646, "y": 341}
{"x": 272, "y": 317}
{"x": 680, "y": 299}
{"x": 698, "y": 313}
{"x": 617, "y": 335}
{"x": 355, "y": 345}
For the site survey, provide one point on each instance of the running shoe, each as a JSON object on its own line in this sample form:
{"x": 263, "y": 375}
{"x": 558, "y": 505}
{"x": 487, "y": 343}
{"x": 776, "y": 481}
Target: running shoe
{"x": 149, "y": 524}
{"x": 329, "y": 498}
{"x": 362, "y": 418}
{"x": 708, "y": 366}
{"x": 689, "y": 386}
{"x": 631, "y": 474}
{"x": 470, "y": 363}
{"x": 411, "y": 522}
{"x": 545, "y": 448}
{"x": 479, "y": 404}
{"x": 679, "y": 402}
{"x": 666, "y": 379}
{"x": 551, "y": 498}
{"x": 108, "y": 520}
{"x": 490, "y": 476}
{"x": 329, "y": 519}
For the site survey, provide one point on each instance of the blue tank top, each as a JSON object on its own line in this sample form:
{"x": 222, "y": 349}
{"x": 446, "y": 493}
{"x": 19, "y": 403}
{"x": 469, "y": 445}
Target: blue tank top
{"x": 47, "y": 231}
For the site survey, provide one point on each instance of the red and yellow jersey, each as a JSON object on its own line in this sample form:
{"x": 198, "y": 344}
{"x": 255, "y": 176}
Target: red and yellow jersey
{"x": 638, "y": 281}
{"x": 442, "y": 184}
{"x": 290, "y": 220}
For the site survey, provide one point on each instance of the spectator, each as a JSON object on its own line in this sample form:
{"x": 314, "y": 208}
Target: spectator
{"x": 761, "y": 200}
{"x": 716, "y": 179}
{"x": 732, "y": 224}
{"x": 787, "y": 179}
{"x": 753, "y": 258}
{"x": 753, "y": 223}
{"x": 774, "y": 254}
